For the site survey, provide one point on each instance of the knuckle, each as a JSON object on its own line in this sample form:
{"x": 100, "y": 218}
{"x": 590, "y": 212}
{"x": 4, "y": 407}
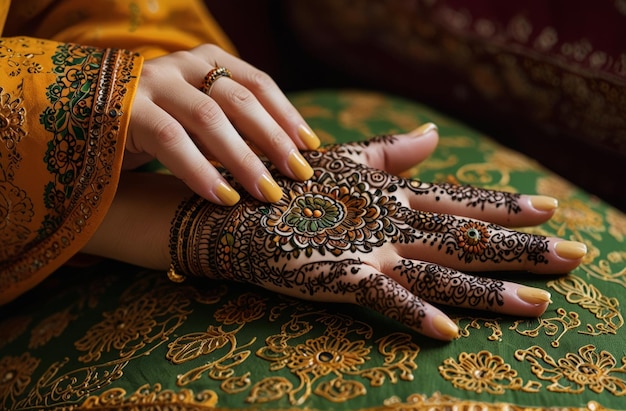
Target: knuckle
{"x": 276, "y": 139}
{"x": 207, "y": 112}
{"x": 241, "y": 96}
{"x": 167, "y": 133}
{"x": 249, "y": 160}
{"x": 260, "y": 80}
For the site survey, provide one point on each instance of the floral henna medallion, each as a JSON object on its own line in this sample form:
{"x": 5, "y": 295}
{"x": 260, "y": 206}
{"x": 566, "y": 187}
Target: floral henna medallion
{"x": 334, "y": 218}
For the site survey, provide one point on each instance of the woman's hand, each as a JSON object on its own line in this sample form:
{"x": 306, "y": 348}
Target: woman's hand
{"x": 354, "y": 233}
{"x": 184, "y": 128}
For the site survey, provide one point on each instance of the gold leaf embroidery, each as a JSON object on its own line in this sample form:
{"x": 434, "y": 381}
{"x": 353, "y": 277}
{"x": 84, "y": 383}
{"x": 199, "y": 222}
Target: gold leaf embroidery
{"x": 587, "y": 296}
{"x": 604, "y": 269}
{"x": 551, "y": 326}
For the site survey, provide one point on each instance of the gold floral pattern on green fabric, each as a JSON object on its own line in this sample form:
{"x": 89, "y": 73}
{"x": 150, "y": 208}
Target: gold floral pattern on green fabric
{"x": 133, "y": 339}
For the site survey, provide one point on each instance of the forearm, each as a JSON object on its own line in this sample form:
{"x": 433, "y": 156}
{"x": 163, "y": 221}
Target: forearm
{"x": 136, "y": 228}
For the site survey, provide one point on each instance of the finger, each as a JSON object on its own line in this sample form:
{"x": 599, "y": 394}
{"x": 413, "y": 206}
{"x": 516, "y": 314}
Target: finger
{"x": 155, "y": 132}
{"x": 384, "y": 295}
{"x": 268, "y": 94}
{"x": 252, "y": 120}
{"x": 214, "y": 134}
{"x": 508, "y": 209}
{"x": 393, "y": 153}
{"x": 468, "y": 244}
{"x": 352, "y": 281}
{"x": 441, "y": 285}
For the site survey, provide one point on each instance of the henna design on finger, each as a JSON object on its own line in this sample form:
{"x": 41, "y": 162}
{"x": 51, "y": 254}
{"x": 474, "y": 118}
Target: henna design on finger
{"x": 382, "y": 294}
{"x": 439, "y": 284}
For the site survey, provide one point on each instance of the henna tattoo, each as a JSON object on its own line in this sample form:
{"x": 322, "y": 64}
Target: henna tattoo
{"x": 443, "y": 285}
{"x": 310, "y": 241}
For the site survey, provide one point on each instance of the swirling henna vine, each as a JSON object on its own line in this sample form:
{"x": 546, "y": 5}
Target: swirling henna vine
{"x": 443, "y": 285}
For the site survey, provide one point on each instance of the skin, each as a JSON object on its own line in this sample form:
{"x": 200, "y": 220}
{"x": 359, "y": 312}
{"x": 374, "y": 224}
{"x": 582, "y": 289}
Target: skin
{"x": 395, "y": 246}
{"x": 173, "y": 121}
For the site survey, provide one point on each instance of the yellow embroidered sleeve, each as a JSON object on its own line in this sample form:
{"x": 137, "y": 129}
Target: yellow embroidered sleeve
{"x": 63, "y": 118}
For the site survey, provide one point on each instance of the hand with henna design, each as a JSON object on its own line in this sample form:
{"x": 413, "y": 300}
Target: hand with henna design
{"x": 355, "y": 233}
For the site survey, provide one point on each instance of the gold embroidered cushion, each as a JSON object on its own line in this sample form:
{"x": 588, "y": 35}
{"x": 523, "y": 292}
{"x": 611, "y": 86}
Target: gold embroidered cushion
{"x": 114, "y": 335}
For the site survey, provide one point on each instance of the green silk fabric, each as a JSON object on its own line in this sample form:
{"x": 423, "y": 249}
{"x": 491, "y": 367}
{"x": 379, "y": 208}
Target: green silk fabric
{"x": 116, "y": 336}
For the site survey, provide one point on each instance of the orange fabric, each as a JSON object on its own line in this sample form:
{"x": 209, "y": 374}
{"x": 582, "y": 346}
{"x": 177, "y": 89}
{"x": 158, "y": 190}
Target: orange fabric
{"x": 67, "y": 82}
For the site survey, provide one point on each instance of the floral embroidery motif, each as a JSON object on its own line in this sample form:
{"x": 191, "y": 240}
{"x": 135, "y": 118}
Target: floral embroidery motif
{"x": 15, "y": 376}
{"x": 16, "y": 211}
{"x": 12, "y": 117}
{"x": 483, "y": 372}
{"x": 575, "y": 372}
{"x": 322, "y": 364}
{"x": 53, "y": 326}
{"x": 246, "y": 308}
{"x": 334, "y": 218}
{"x": 126, "y": 325}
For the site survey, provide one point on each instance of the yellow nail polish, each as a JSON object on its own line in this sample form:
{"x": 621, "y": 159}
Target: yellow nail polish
{"x": 534, "y": 295}
{"x": 446, "y": 327}
{"x": 424, "y": 129}
{"x": 299, "y": 166}
{"x": 227, "y": 194}
{"x": 270, "y": 190}
{"x": 308, "y": 137}
{"x": 570, "y": 250}
{"x": 543, "y": 203}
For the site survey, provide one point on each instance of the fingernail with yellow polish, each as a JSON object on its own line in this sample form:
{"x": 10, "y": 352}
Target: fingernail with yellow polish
{"x": 571, "y": 250}
{"x": 424, "y": 129}
{"x": 270, "y": 190}
{"x": 446, "y": 327}
{"x": 533, "y": 295}
{"x": 227, "y": 194}
{"x": 308, "y": 137}
{"x": 298, "y": 166}
{"x": 543, "y": 203}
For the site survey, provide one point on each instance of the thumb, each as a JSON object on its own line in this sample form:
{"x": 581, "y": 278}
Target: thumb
{"x": 394, "y": 153}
